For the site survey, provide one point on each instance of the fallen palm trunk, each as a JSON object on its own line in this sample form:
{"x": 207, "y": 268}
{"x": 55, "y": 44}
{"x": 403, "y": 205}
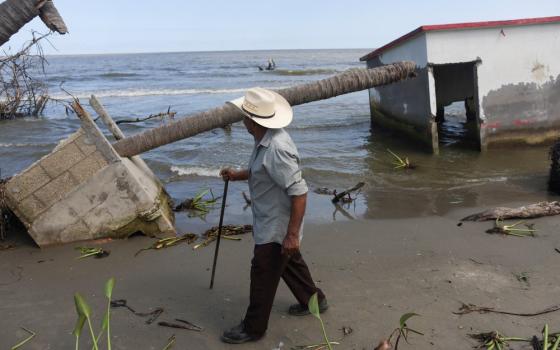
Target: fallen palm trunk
{"x": 526, "y": 212}
{"x": 343, "y": 83}
{"x": 14, "y": 14}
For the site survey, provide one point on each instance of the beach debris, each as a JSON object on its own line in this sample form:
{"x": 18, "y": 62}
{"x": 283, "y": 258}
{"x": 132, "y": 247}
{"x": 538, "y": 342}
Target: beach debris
{"x": 325, "y": 191}
{"x": 197, "y": 205}
{"x": 494, "y": 340}
{"x": 227, "y": 231}
{"x": 24, "y": 341}
{"x": 525, "y": 212}
{"x": 522, "y": 277}
{"x": 401, "y": 332}
{"x": 184, "y": 325}
{"x": 152, "y": 315}
{"x": 84, "y": 314}
{"x": 401, "y": 163}
{"x": 468, "y": 308}
{"x": 513, "y": 229}
{"x": 169, "y": 242}
{"x": 344, "y": 196}
{"x": 319, "y": 346}
{"x": 170, "y": 342}
{"x": 346, "y": 330}
{"x": 557, "y": 250}
{"x": 161, "y": 116}
{"x": 98, "y": 253}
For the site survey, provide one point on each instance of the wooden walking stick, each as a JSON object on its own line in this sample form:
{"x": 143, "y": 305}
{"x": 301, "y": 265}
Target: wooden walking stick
{"x": 219, "y": 232}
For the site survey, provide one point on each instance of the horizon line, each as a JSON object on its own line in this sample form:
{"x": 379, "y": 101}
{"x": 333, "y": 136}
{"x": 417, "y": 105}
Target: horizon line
{"x": 197, "y": 51}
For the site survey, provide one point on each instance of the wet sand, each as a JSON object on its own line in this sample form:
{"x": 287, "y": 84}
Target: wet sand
{"x": 372, "y": 271}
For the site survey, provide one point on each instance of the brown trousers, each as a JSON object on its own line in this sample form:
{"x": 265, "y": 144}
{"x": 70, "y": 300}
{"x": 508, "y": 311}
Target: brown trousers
{"x": 267, "y": 266}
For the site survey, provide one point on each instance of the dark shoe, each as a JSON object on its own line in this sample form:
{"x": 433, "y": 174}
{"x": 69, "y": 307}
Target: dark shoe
{"x": 237, "y": 335}
{"x": 302, "y": 310}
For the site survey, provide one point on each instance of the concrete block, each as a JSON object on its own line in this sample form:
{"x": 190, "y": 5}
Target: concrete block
{"x": 78, "y": 228}
{"x": 27, "y": 182}
{"x": 31, "y": 207}
{"x": 88, "y": 167}
{"x": 85, "y": 144}
{"x": 56, "y": 189}
{"x": 93, "y": 196}
{"x": 63, "y": 159}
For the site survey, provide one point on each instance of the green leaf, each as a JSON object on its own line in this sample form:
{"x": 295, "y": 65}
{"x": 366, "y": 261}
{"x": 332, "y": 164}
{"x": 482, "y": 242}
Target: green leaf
{"x": 109, "y": 288}
{"x": 79, "y": 326}
{"x": 406, "y": 317}
{"x": 82, "y": 307}
{"x": 313, "y": 305}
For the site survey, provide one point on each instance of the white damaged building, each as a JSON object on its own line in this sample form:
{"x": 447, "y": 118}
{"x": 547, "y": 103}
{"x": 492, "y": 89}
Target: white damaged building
{"x": 505, "y": 74}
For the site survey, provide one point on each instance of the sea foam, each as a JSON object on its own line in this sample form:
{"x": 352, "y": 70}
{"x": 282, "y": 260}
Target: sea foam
{"x": 196, "y": 171}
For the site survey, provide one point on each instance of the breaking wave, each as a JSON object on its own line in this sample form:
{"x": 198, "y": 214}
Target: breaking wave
{"x": 195, "y": 171}
{"x": 12, "y": 145}
{"x": 118, "y": 75}
{"x": 154, "y": 92}
{"x": 298, "y": 72}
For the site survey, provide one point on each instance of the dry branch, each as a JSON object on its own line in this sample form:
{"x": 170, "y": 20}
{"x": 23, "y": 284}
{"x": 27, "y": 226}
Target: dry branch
{"x": 526, "y": 212}
{"x": 468, "y": 308}
{"x": 339, "y": 196}
{"x": 169, "y": 114}
{"x": 21, "y": 93}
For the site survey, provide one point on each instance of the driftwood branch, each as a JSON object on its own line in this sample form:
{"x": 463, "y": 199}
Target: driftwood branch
{"x": 526, "y": 212}
{"x": 468, "y": 308}
{"x": 339, "y": 196}
{"x": 169, "y": 113}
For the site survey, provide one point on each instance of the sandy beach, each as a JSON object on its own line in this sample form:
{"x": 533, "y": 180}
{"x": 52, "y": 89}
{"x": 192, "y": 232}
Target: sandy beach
{"x": 372, "y": 271}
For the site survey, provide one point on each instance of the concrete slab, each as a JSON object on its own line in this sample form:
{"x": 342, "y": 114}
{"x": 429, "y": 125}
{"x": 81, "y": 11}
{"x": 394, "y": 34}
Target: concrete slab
{"x": 84, "y": 190}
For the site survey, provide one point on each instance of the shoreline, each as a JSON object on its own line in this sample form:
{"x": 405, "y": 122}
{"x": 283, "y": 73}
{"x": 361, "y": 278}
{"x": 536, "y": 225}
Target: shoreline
{"x": 372, "y": 271}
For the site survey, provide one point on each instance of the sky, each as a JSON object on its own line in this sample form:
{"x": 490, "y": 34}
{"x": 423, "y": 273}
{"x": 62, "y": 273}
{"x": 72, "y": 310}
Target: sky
{"x": 126, "y": 26}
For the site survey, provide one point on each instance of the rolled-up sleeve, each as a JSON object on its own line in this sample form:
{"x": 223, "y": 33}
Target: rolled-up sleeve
{"x": 283, "y": 168}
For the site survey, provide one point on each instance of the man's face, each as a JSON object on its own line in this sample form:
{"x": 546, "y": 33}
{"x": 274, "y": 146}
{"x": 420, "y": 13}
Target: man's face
{"x": 249, "y": 125}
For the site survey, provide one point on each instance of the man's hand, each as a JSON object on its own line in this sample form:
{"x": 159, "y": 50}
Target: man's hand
{"x": 234, "y": 175}
{"x": 290, "y": 245}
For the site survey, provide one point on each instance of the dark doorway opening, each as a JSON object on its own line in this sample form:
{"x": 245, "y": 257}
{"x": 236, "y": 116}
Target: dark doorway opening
{"x": 457, "y": 104}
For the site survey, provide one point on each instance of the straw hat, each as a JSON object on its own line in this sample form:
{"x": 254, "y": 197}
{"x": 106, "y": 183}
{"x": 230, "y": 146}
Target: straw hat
{"x": 265, "y": 107}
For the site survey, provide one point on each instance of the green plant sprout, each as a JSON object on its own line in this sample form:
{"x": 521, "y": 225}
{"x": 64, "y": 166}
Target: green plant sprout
{"x": 84, "y": 314}
{"x": 403, "y": 330}
{"x": 313, "y": 306}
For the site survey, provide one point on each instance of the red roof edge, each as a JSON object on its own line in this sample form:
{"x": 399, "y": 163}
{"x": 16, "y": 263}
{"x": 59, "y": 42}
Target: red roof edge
{"x": 454, "y": 26}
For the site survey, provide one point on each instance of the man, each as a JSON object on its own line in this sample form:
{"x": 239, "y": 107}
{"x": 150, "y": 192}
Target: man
{"x": 278, "y": 195}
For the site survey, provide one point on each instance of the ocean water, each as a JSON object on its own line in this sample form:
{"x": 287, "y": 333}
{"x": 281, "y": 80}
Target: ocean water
{"x": 335, "y": 142}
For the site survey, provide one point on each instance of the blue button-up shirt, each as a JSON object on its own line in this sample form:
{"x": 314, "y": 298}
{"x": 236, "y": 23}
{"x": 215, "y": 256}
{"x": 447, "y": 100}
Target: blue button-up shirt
{"x": 274, "y": 176}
